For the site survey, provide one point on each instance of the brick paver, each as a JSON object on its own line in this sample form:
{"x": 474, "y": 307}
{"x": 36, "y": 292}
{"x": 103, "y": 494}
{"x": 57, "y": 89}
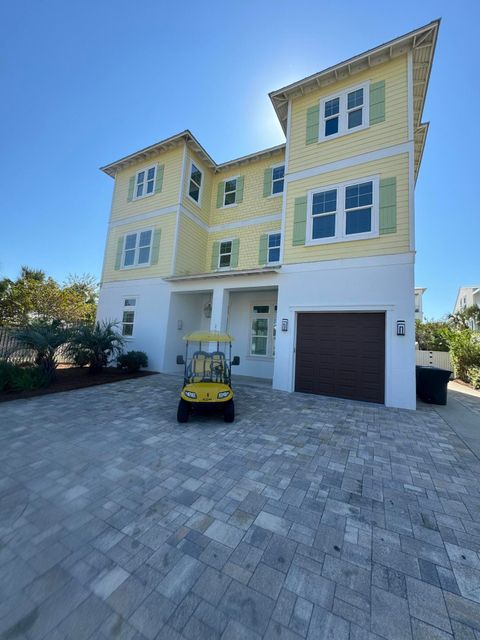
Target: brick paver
{"x": 308, "y": 517}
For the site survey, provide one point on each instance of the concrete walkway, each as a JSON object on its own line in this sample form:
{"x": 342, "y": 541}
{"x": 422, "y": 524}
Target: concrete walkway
{"x": 308, "y": 518}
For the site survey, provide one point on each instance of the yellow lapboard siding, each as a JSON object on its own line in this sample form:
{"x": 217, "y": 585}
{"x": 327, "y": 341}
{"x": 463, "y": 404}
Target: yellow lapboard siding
{"x": 202, "y": 209}
{"x": 253, "y": 204}
{"x": 192, "y": 247}
{"x": 249, "y": 243}
{"x": 384, "y": 244}
{"x": 394, "y": 130}
{"x": 163, "y": 268}
{"x": 172, "y": 161}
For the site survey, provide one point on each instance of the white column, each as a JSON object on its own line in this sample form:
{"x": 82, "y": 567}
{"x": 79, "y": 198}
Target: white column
{"x": 218, "y": 320}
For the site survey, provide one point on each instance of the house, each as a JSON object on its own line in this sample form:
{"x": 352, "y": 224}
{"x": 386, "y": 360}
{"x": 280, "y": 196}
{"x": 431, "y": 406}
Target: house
{"x": 468, "y": 296}
{"x": 304, "y": 252}
{"x": 419, "y": 291}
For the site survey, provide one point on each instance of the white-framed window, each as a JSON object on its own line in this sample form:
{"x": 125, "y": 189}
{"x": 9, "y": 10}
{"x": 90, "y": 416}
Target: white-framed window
{"x": 145, "y": 182}
{"x": 137, "y": 248}
{"x": 273, "y": 249}
{"x": 195, "y": 183}
{"x": 230, "y": 192}
{"x": 341, "y": 212}
{"x": 225, "y": 254}
{"x": 263, "y": 320}
{"x": 128, "y": 316}
{"x": 278, "y": 179}
{"x": 344, "y": 112}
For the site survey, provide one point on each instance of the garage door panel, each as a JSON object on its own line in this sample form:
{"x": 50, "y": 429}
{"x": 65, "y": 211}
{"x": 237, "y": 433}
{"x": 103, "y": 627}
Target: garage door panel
{"x": 341, "y": 354}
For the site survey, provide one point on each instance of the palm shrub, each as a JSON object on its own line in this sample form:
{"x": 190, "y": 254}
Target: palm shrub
{"x": 97, "y": 344}
{"x": 132, "y": 361}
{"x": 44, "y": 338}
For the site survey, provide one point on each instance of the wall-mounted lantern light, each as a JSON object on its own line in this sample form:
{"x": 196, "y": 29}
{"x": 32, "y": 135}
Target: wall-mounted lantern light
{"x": 179, "y": 325}
{"x": 400, "y": 327}
{"x": 207, "y": 310}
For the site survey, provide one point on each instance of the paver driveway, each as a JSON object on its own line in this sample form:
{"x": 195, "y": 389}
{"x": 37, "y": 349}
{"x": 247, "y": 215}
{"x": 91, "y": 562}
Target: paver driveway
{"x": 308, "y": 517}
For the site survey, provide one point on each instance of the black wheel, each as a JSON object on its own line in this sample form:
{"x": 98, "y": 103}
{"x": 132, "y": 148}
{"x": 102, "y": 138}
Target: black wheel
{"x": 183, "y": 411}
{"x": 229, "y": 411}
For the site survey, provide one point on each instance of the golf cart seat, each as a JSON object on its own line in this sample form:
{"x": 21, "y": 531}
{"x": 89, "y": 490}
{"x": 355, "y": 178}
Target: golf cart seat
{"x": 218, "y": 366}
{"x": 200, "y": 367}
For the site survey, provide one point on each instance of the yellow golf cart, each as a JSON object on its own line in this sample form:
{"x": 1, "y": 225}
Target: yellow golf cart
{"x": 207, "y": 374}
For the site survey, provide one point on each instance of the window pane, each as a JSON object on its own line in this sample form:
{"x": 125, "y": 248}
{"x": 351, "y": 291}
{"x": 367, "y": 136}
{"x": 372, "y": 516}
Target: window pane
{"x": 355, "y": 118}
{"x": 324, "y": 227}
{"x": 278, "y": 172}
{"x": 144, "y": 255}
{"x": 259, "y": 346}
{"x": 150, "y": 186}
{"x": 358, "y": 195}
{"x": 130, "y": 241}
{"x": 331, "y": 126}
{"x": 128, "y": 316}
{"x": 277, "y": 186}
{"x": 332, "y": 107}
{"x": 274, "y": 240}
{"x": 140, "y": 177}
{"x": 225, "y": 260}
{"x": 127, "y": 330}
{"x": 129, "y": 258}
{"x": 151, "y": 173}
{"x": 230, "y": 185}
{"x": 260, "y": 327}
{"x": 324, "y": 202}
{"x": 359, "y": 221}
{"x": 140, "y": 190}
{"x": 130, "y": 302}
{"x": 226, "y": 247}
{"x": 196, "y": 175}
{"x": 274, "y": 255}
{"x": 355, "y": 99}
{"x": 230, "y": 198}
{"x": 145, "y": 238}
{"x": 194, "y": 191}
{"x": 261, "y": 308}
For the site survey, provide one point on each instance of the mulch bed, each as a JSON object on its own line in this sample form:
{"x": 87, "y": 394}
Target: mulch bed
{"x": 75, "y": 378}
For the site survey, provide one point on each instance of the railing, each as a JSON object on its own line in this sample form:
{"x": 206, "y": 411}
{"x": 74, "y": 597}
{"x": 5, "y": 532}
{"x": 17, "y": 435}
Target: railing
{"x": 434, "y": 358}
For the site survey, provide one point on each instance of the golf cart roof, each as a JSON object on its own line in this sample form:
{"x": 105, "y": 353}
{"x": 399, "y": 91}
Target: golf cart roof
{"x": 208, "y": 336}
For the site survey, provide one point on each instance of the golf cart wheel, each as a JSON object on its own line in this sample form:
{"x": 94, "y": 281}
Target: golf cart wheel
{"x": 229, "y": 411}
{"x": 183, "y": 411}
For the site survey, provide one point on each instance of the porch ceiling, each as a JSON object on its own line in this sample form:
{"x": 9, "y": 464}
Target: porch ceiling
{"x": 223, "y": 274}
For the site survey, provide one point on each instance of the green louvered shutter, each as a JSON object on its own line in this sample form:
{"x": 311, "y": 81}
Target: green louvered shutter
{"x": 215, "y": 255}
{"x": 156, "y": 246}
{"x": 235, "y": 251}
{"x": 377, "y": 102}
{"x": 388, "y": 205}
{"x": 159, "y": 178}
{"x": 267, "y": 182}
{"x": 220, "y": 194}
{"x": 313, "y": 119}
{"x": 239, "y": 195}
{"x": 263, "y": 249}
{"x": 131, "y": 187}
{"x": 118, "y": 256}
{"x": 299, "y": 220}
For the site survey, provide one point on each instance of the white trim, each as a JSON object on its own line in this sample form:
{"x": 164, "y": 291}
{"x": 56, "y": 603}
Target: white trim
{"x": 351, "y": 263}
{"x": 270, "y": 317}
{"x": 273, "y": 233}
{"x": 177, "y": 218}
{"x": 245, "y": 223}
{"x": 233, "y": 204}
{"x": 272, "y": 167}
{"x": 343, "y": 111}
{"x": 194, "y": 218}
{"x": 107, "y": 238}
{"x": 229, "y": 266}
{"x": 136, "y": 249}
{"x": 289, "y": 133}
{"x": 352, "y": 161}
{"x": 156, "y": 213}
{"x": 144, "y": 183}
{"x": 341, "y": 213}
{"x": 202, "y": 182}
{"x": 411, "y": 157}
{"x": 131, "y": 309}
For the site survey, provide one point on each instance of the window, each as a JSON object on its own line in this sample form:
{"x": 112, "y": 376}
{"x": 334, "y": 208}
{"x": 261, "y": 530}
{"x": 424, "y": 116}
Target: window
{"x": 230, "y": 192}
{"x": 262, "y": 330}
{"x": 195, "y": 184}
{"x": 346, "y": 211}
{"x": 344, "y": 113}
{"x": 145, "y": 182}
{"x": 128, "y": 317}
{"x": 274, "y": 247}
{"x": 278, "y": 175}
{"x": 137, "y": 249}
{"x": 225, "y": 254}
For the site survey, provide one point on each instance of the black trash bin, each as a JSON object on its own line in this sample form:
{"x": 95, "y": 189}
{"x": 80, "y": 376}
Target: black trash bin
{"x": 432, "y": 384}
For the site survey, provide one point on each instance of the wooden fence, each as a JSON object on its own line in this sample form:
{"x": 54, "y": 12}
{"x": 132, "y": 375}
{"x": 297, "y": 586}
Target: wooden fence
{"x": 435, "y": 358}
{"x": 11, "y": 350}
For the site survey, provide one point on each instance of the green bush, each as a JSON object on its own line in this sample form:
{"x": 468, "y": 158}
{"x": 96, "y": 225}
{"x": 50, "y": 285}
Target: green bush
{"x": 6, "y": 370}
{"x": 22, "y": 378}
{"x": 98, "y": 344}
{"x": 80, "y": 357}
{"x": 474, "y": 376}
{"x": 132, "y": 361}
{"x": 464, "y": 351}
{"x": 431, "y": 335}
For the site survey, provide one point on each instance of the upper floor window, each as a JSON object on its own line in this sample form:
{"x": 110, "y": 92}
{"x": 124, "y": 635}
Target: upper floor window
{"x": 274, "y": 247}
{"x": 225, "y": 254}
{"x": 195, "y": 183}
{"x": 128, "y": 317}
{"x": 344, "y": 112}
{"x": 137, "y": 249}
{"x": 343, "y": 212}
{"x": 230, "y": 192}
{"x": 145, "y": 182}
{"x": 278, "y": 176}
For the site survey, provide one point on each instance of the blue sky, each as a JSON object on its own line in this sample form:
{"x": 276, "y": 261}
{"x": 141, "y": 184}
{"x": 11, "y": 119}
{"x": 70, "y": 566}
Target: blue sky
{"x": 84, "y": 83}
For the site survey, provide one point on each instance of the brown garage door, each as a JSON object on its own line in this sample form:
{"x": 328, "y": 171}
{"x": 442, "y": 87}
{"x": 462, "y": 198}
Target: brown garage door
{"x": 342, "y": 355}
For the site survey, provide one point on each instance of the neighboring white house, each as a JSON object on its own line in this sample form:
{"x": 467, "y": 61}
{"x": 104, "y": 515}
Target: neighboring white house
{"x": 419, "y": 291}
{"x": 468, "y": 296}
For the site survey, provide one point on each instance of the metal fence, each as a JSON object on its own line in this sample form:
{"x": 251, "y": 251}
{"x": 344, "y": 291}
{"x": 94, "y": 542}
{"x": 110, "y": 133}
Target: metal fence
{"x": 435, "y": 358}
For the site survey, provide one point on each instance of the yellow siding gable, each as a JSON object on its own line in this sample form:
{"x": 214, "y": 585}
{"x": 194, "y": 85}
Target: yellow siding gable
{"x": 394, "y": 130}
{"x": 172, "y": 161}
{"x": 191, "y": 248}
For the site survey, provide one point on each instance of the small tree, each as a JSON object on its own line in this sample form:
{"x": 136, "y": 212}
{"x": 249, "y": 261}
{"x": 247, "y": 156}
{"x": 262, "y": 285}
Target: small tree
{"x": 466, "y": 318}
{"x": 98, "y": 343}
{"x": 430, "y": 335}
{"x": 464, "y": 350}
{"x": 44, "y": 339}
